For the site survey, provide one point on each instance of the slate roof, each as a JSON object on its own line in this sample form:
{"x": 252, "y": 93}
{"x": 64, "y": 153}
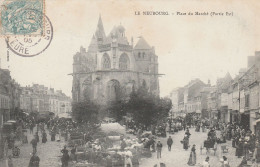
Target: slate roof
{"x": 142, "y": 44}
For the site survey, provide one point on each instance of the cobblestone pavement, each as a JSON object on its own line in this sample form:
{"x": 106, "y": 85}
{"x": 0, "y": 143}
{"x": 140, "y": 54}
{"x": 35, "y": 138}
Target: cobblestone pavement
{"x": 49, "y": 153}
{"x": 179, "y": 157}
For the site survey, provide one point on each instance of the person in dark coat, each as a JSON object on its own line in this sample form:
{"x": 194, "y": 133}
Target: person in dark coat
{"x": 25, "y": 139}
{"x": 53, "y": 135}
{"x": 169, "y": 143}
{"x": 34, "y": 161}
{"x": 31, "y": 128}
{"x": 37, "y": 137}
{"x": 234, "y": 141}
{"x": 187, "y": 132}
{"x": 185, "y": 142}
{"x": 192, "y": 159}
{"x": 159, "y": 149}
{"x": 257, "y": 152}
{"x": 65, "y": 157}
{"x": 239, "y": 148}
{"x": 73, "y": 156}
{"x": 66, "y": 135}
{"x": 44, "y": 137}
{"x": 34, "y": 144}
{"x": 243, "y": 162}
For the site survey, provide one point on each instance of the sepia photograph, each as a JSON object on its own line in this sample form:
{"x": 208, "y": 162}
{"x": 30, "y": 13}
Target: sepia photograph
{"x": 129, "y": 83}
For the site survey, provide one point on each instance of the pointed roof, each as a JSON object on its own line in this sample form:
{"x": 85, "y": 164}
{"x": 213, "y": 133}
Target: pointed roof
{"x": 223, "y": 83}
{"x": 93, "y": 46}
{"x": 142, "y": 44}
{"x": 100, "y": 32}
{"x": 116, "y": 33}
{"x": 228, "y": 76}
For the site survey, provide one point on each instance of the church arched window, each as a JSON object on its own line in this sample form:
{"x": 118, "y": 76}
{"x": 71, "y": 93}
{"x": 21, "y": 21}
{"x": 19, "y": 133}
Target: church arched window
{"x": 113, "y": 90}
{"x": 106, "y": 62}
{"x": 139, "y": 55}
{"x": 124, "y": 62}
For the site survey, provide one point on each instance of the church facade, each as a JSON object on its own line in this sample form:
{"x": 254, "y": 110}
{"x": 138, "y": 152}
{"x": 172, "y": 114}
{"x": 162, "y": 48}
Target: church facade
{"x": 111, "y": 68}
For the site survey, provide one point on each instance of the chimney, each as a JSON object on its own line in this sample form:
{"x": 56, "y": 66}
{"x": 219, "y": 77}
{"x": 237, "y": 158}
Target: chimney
{"x": 257, "y": 58}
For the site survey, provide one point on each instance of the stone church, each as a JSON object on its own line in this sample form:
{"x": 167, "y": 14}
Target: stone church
{"x": 111, "y": 68}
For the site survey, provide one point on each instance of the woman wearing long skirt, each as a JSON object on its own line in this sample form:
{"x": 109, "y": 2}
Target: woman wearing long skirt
{"x": 257, "y": 152}
{"x": 234, "y": 142}
{"x": 185, "y": 142}
{"x": 44, "y": 137}
{"x": 239, "y": 149}
{"x": 192, "y": 159}
{"x": 53, "y": 136}
{"x": 37, "y": 137}
{"x": 73, "y": 156}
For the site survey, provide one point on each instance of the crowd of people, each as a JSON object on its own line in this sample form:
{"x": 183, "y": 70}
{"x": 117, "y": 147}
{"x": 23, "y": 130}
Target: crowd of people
{"x": 86, "y": 145}
{"x": 245, "y": 142}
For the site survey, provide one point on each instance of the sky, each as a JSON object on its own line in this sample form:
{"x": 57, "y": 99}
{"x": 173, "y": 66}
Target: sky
{"x": 188, "y": 47}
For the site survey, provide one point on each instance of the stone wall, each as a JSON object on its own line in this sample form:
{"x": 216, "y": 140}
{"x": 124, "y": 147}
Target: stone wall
{"x": 94, "y": 86}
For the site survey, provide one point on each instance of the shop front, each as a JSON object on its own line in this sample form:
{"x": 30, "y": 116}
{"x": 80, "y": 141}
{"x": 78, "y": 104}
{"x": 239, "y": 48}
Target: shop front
{"x": 224, "y": 116}
{"x": 257, "y": 128}
{"x": 254, "y": 119}
{"x": 204, "y": 114}
{"x": 234, "y": 116}
{"x": 245, "y": 120}
{"x": 215, "y": 117}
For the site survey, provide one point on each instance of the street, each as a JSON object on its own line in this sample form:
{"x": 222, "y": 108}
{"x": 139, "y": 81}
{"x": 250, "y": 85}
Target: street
{"x": 179, "y": 157}
{"x": 49, "y": 152}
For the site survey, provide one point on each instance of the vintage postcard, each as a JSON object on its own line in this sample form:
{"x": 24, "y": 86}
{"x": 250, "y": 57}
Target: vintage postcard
{"x": 133, "y": 83}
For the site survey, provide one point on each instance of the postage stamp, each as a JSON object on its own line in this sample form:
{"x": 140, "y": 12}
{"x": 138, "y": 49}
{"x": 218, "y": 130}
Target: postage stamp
{"x": 22, "y": 17}
{"x": 28, "y": 45}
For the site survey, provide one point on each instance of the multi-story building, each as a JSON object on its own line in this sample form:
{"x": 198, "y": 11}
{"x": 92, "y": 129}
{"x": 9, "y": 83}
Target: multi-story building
{"x": 112, "y": 67}
{"x": 9, "y": 96}
{"x": 213, "y": 105}
{"x": 222, "y": 86}
{"x": 191, "y": 98}
{"x": 38, "y": 98}
{"x": 4, "y": 96}
{"x": 248, "y": 85}
{"x": 176, "y": 97}
{"x": 204, "y": 100}
{"x": 9, "y": 101}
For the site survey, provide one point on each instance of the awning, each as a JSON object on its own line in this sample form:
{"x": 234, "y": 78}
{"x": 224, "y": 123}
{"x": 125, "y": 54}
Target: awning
{"x": 224, "y": 108}
{"x": 256, "y": 121}
{"x": 198, "y": 111}
{"x": 214, "y": 111}
{"x": 234, "y": 111}
{"x": 245, "y": 112}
